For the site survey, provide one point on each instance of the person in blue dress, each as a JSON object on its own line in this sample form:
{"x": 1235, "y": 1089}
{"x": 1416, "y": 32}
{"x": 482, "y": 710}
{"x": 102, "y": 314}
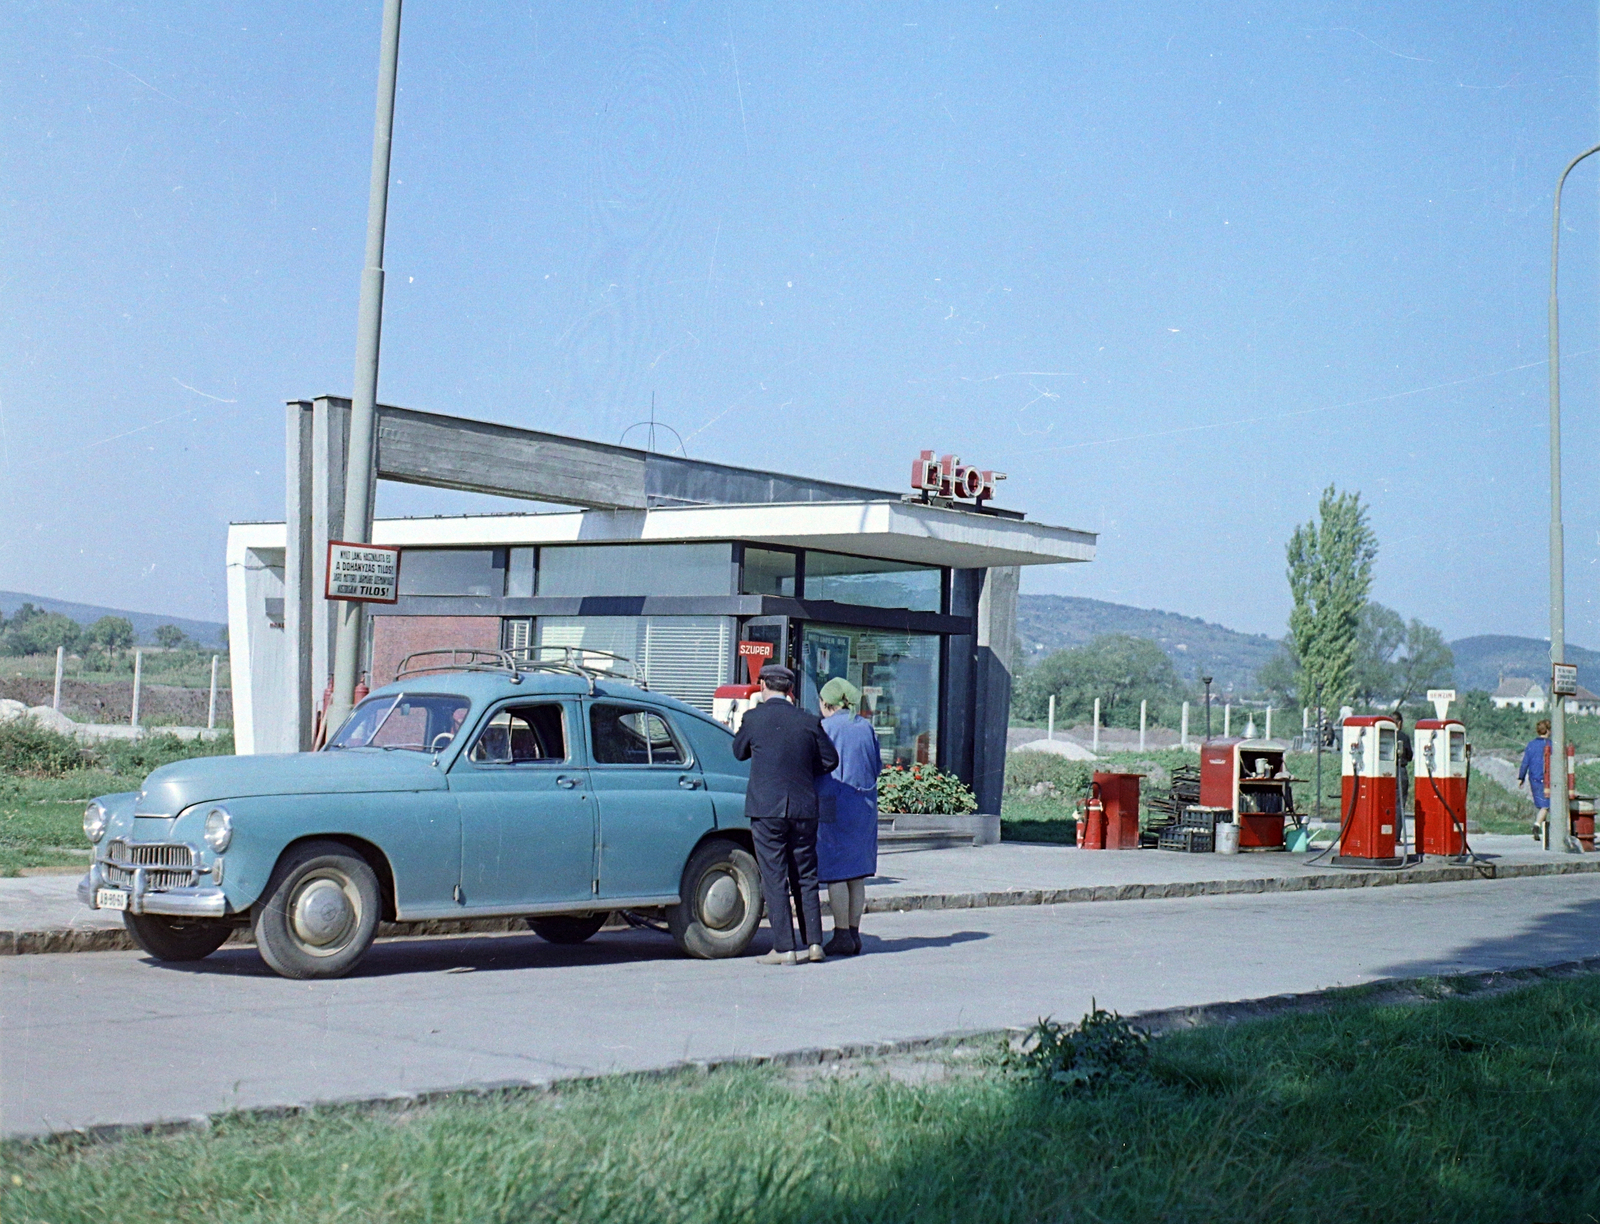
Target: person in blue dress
{"x": 1531, "y": 771}
{"x": 847, "y": 844}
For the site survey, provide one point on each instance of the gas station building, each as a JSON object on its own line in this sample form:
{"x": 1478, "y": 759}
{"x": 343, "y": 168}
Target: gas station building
{"x": 667, "y": 561}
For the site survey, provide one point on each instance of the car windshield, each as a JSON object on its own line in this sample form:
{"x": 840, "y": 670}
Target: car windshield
{"x": 417, "y": 722}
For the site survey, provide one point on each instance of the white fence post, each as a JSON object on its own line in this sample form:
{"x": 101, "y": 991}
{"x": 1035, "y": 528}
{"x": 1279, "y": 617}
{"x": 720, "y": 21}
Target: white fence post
{"x": 1227, "y": 719}
{"x": 1183, "y": 734}
{"x": 210, "y": 709}
{"x": 1097, "y": 724}
{"x": 1050, "y": 730}
{"x": 138, "y": 673}
{"x": 61, "y": 661}
{"x": 1142, "y": 706}
{"x": 1269, "y": 722}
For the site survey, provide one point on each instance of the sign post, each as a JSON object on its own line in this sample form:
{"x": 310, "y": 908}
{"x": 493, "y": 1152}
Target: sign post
{"x": 1441, "y": 699}
{"x": 756, "y": 655}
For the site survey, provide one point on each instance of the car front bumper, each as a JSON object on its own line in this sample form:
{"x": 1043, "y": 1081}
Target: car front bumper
{"x": 189, "y": 902}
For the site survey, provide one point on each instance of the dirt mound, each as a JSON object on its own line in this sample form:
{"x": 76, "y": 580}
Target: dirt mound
{"x": 113, "y": 702}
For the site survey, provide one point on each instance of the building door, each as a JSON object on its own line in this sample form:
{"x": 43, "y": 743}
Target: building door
{"x": 527, "y": 813}
{"x": 654, "y": 805}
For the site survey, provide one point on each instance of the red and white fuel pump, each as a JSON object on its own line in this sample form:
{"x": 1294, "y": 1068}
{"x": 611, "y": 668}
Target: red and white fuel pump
{"x": 1369, "y": 794}
{"x": 1440, "y": 762}
{"x": 730, "y": 701}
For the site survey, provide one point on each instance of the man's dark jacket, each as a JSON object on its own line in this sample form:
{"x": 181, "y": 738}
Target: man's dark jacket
{"x": 787, "y": 750}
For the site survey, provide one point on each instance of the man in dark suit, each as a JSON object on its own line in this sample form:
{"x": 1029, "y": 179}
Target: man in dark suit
{"x": 788, "y": 751}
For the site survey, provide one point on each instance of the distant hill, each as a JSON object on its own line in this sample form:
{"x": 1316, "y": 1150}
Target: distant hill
{"x": 207, "y": 633}
{"x": 1482, "y": 660}
{"x": 1047, "y": 623}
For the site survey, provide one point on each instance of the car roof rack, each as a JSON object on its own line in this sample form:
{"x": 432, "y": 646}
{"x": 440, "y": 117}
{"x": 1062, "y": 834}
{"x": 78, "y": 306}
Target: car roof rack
{"x": 590, "y": 665}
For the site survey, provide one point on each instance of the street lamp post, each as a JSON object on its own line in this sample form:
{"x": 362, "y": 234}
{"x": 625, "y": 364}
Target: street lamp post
{"x": 1557, "y": 831}
{"x": 1206, "y": 680}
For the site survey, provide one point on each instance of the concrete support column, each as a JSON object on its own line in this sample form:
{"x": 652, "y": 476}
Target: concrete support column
{"x": 300, "y": 598}
{"x": 993, "y": 664}
{"x": 330, "y": 442}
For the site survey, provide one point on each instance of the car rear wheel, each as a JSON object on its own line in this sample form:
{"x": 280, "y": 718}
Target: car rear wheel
{"x": 721, "y": 904}
{"x": 176, "y": 939}
{"x": 319, "y": 912}
{"x": 567, "y": 928}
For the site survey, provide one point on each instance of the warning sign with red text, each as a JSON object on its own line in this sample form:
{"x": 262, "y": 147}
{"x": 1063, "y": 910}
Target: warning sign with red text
{"x": 366, "y": 573}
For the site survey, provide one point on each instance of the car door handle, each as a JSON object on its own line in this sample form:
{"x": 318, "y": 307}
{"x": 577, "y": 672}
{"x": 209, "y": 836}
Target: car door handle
{"x": 689, "y": 783}
{"x": 566, "y": 781}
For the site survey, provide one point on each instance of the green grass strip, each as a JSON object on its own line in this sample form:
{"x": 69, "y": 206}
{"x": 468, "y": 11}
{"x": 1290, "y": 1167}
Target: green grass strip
{"x": 1467, "y": 1109}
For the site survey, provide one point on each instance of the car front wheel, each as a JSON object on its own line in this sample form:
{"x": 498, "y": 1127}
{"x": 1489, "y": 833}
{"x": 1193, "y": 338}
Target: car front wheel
{"x": 319, "y": 912}
{"x": 176, "y": 939}
{"x": 721, "y": 904}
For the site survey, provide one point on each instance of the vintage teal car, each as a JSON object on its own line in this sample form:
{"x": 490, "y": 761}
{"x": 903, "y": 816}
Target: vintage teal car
{"x": 477, "y": 785}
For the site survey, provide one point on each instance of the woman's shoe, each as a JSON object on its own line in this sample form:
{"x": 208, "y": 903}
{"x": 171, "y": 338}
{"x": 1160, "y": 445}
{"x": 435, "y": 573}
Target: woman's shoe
{"x": 841, "y": 944}
{"x": 855, "y": 939}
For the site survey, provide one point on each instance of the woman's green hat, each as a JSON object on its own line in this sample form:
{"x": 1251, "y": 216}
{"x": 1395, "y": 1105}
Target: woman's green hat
{"x": 840, "y": 692}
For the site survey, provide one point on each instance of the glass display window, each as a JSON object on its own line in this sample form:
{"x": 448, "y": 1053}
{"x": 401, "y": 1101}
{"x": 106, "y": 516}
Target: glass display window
{"x": 768, "y": 571}
{"x": 898, "y": 675}
{"x": 453, "y": 571}
{"x": 873, "y": 583}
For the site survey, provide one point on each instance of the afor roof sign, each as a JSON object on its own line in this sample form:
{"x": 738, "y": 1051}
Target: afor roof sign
{"x": 366, "y": 573}
{"x": 948, "y": 477}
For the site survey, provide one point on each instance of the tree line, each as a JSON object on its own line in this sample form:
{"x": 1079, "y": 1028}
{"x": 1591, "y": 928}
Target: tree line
{"x": 31, "y": 630}
{"x": 1342, "y": 647}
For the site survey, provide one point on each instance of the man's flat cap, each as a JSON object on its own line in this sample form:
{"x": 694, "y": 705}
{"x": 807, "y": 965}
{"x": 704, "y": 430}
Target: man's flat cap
{"x": 777, "y": 673}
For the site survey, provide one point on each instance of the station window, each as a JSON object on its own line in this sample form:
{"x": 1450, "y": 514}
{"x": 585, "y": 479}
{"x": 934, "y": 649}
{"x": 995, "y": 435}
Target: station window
{"x": 898, "y": 675}
{"x": 636, "y": 569}
{"x": 873, "y": 583}
{"x": 453, "y": 571}
{"x": 768, "y": 571}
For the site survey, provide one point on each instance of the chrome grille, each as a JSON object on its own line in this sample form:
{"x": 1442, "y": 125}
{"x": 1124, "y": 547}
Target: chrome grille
{"x": 122, "y": 857}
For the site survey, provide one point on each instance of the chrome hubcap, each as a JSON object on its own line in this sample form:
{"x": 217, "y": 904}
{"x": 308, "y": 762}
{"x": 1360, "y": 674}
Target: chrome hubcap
{"x": 721, "y": 905}
{"x": 322, "y": 913}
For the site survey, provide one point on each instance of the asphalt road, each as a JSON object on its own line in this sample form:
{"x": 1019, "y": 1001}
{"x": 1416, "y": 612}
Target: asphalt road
{"x": 111, "y": 1037}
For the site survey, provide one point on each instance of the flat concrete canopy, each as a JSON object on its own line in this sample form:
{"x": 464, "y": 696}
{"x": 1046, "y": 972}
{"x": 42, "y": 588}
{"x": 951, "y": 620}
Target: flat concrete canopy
{"x": 895, "y": 530}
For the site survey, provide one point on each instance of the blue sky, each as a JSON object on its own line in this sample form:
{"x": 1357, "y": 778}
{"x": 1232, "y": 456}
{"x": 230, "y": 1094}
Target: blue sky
{"x": 1174, "y": 267}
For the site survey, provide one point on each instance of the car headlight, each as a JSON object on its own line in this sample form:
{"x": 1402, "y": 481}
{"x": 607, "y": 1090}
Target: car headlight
{"x": 219, "y": 829}
{"x": 94, "y": 821}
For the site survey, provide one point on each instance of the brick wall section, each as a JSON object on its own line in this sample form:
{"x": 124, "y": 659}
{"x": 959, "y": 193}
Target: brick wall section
{"x": 394, "y": 637}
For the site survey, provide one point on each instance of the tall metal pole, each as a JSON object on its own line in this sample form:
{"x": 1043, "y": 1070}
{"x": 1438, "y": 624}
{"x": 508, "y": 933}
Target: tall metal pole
{"x": 364, "y": 395}
{"x": 1557, "y": 832}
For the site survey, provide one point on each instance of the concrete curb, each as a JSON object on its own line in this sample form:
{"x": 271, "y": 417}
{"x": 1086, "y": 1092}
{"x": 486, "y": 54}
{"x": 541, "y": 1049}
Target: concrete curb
{"x": 111, "y": 939}
{"x": 1157, "y": 1022}
{"x": 1442, "y": 874}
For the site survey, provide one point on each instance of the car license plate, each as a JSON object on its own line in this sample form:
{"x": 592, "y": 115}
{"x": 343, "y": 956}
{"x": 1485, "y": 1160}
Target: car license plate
{"x": 111, "y": 898}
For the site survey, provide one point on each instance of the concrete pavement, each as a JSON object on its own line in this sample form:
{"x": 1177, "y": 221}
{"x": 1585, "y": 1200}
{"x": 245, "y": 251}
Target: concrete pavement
{"x": 89, "y": 1040}
{"x": 42, "y": 914}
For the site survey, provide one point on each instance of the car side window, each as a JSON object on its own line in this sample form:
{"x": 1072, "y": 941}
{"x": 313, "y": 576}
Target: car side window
{"x": 524, "y": 734}
{"x": 628, "y": 735}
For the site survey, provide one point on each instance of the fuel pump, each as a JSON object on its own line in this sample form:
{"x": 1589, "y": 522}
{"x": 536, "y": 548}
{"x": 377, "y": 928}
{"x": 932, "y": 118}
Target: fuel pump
{"x": 1441, "y": 766}
{"x": 1368, "y": 792}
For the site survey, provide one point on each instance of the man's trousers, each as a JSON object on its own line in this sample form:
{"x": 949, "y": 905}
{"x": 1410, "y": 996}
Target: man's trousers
{"x": 787, "y": 847}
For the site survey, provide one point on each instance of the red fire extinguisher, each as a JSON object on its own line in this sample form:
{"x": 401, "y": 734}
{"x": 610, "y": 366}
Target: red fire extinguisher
{"x": 1092, "y": 828}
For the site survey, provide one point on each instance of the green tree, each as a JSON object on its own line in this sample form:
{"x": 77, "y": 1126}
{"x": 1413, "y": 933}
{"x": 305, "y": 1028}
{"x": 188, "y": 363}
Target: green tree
{"x": 111, "y": 633}
{"x": 1382, "y": 634}
{"x": 34, "y": 631}
{"x": 169, "y": 637}
{"x": 1330, "y": 572}
{"x": 1118, "y": 668}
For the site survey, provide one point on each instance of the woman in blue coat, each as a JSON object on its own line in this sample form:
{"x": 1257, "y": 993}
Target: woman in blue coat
{"x": 847, "y": 844}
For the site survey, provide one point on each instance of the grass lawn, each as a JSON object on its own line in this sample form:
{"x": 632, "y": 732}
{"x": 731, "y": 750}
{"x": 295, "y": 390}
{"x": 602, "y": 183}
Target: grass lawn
{"x": 41, "y": 817}
{"x": 41, "y": 809}
{"x": 1465, "y": 1109}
